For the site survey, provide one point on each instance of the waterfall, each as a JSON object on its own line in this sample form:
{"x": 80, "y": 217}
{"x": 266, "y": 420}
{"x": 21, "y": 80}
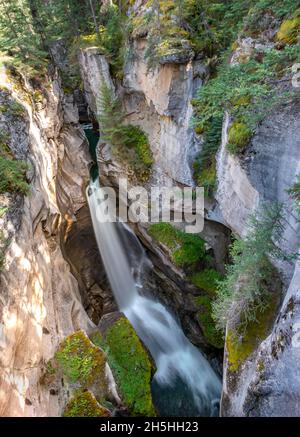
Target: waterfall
{"x": 175, "y": 357}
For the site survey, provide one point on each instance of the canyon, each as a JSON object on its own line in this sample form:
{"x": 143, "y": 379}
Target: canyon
{"x": 57, "y": 297}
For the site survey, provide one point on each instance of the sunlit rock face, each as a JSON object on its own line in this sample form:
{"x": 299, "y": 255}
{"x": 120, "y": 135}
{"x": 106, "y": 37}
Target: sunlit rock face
{"x": 40, "y": 301}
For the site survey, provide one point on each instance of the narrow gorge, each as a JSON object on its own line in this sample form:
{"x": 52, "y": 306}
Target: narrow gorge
{"x": 141, "y": 317}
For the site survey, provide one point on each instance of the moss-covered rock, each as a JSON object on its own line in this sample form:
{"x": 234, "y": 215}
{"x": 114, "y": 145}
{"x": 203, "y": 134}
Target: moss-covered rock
{"x": 289, "y": 30}
{"x": 81, "y": 362}
{"x": 240, "y": 346}
{"x": 238, "y": 137}
{"x": 186, "y": 249}
{"x": 130, "y": 364}
{"x": 84, "y": 404}
{"x": 207, "y": 280}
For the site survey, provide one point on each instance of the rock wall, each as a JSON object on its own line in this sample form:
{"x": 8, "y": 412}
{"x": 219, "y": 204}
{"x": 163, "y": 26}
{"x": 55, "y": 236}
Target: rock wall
{"x": 40, "y": 300}
{"x": 158, "y": 101}
{"x": 263, "y": 384}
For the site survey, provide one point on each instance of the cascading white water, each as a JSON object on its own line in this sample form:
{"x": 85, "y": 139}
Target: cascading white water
{"x": 174, "y": 355}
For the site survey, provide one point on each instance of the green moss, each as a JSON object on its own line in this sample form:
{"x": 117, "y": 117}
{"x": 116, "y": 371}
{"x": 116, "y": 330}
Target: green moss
{"x": 186, "y": 249}
{"x": 137, "y": 140}
{"x": 130, "y": 365}
{"x": 212, "y": 335}
{"x": 207, "y": 279}
{"x": 238, "y": 137}
{"x": 289, "y": 30}
{"x": 84, "y": 404}
{"x": 239, "y": 347}
{"x": 80, "y": 361}
{"x": 207, "y": 179}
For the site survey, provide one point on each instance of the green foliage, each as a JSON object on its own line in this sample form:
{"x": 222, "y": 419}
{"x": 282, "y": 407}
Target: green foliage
{"x": 210, "y": 332}
{"x": 141, "y": 159}
{"x": 207, "y": 279}
{"x": 187, "y": 250}
{"x": 183, "y": 27}
{"x": 251, "y": 278}
{"x": 289, "y": 30}
{"x": 255, "y": 22}
{"x": 112, "y": 34}
{"x": 12, "y": 108}
{"x": 131, "y": 366}
{"x": 80, "y": 361}
{"x": 19, "y": 41}
{"x": 13, "y": 176}
{"x": 28, "y": 29}
{"x": 111, "y": 117}
{"x": 84, "y": 404}
{"x": 238, "y": 137}
{"x": 245, "y": 90}
{"x": 204, "y": 165}
{"x": 129, "y": 142}
{"x": 294, "y": 192}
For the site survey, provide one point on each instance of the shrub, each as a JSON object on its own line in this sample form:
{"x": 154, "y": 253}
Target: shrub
{"x": 207, "y": 323}
{"x": 207, "y": 279}
{"x": 245, "y": 90}
{"x": 13, "y": 176}
{"x": 112, "y": 38}
{"x": 250, "y": 279}
{"x": 238, "y": 137}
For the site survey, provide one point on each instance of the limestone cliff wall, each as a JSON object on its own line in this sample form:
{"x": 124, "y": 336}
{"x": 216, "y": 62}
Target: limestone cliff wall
{"x": 40, "y": 301}
{"x": 158, "y": 101}
{"x": 262, "y": 385}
